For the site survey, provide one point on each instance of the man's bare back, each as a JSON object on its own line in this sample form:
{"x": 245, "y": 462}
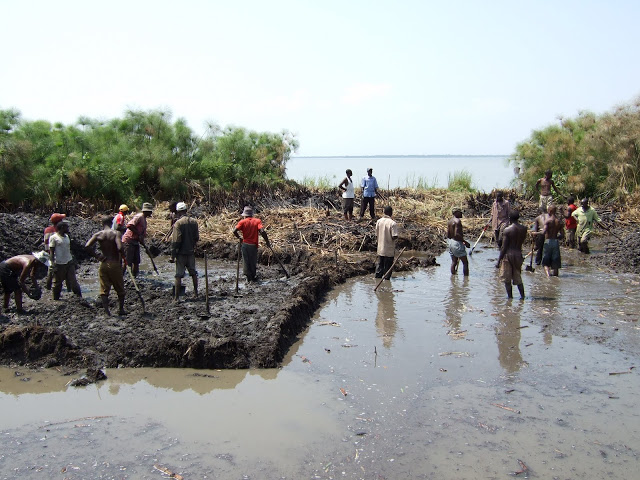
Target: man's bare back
{"x": 110, "y": 244}
{"x": 552, "y": 225}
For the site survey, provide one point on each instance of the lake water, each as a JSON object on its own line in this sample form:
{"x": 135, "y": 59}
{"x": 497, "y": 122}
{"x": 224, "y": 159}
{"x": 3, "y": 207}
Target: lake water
{"x": 487, "y": 172}
{"x": 432, "y": 376}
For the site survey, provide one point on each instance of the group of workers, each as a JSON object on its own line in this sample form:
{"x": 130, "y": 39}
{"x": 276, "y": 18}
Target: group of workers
{"x": 119, "y": 244}
{"x": 548, "y": 231}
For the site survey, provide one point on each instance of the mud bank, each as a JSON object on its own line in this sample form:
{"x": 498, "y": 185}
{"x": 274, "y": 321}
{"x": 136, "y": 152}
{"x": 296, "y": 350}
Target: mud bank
{"x": 251, "y": 328}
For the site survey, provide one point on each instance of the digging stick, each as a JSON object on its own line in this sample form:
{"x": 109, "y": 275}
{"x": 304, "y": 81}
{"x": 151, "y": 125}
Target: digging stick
{"x": 277, "y": 257}
{"x": 529, "y": 268}
{"x": 133, "y": 279}
{"x": 238, "y": 265}
{"x": 146, "y": 249}
{"x": 390, "y": 268}
{"x": 474, "y": 245}
{"x": 206, "y": 282}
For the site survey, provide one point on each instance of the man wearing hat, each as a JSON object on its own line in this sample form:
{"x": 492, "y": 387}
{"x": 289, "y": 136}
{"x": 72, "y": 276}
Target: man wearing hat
{"x": 50, "y": 230}
{"x": 62, "y": 263}
{"x": 120, "y": 220}
{"x": 134, "y": 236}
{"x": 369, "y": 186}
{"x": 457, "y": 243}
{"x": 13, "y": 275}
{"x": 250, "y": 228}
{"x": 183, "y": 244}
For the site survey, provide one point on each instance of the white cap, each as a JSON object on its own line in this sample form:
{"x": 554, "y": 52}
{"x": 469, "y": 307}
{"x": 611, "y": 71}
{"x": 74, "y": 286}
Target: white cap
{"x": 181, "y": 207}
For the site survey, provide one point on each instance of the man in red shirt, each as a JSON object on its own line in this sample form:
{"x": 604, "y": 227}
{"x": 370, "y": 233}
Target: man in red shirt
{"x": 570, "y": 223}
{"x": 250, "y": 228}
{"x": 134, "y": 236}
{"x": 120, "y": 220}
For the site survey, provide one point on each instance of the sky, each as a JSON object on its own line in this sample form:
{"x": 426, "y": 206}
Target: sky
{"x": 347, "y": 77}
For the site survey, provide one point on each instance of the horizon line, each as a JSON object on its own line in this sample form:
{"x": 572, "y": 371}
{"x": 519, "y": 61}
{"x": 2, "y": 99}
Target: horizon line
{"x": 401, "y": 155}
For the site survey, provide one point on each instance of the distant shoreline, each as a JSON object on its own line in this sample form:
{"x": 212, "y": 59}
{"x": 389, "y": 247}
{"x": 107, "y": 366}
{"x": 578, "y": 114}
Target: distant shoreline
{"x": 397, "y": 156}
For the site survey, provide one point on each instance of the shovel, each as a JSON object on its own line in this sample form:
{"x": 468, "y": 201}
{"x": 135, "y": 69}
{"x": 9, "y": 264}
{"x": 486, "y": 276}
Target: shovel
{"x": 390, "y": 268}
{"x": 146, "y": 249}
{"x": 529, "y": 268}
{"x": 238, "y": 266}
{"x": 474, "y": 245}
{"x": 277, "y": 258}
{"x": 206, "y": 282}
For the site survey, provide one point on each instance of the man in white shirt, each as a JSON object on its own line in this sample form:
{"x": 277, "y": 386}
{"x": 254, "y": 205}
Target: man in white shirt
{"x": 62, "y": 263}
{"x": 387, "y": 233}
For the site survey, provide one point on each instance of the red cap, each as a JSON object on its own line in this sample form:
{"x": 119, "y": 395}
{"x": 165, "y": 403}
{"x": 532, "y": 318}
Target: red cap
{"x": 57, "y": 217}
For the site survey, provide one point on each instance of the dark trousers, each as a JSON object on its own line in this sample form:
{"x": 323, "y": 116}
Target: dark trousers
{"x": 371, "y": 202}
{"x": 539, "y": 248}
{"x": 384, "y": 264}
{"x": 249, "y": 260}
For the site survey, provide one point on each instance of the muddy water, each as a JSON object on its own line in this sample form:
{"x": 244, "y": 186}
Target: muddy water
{"x": 432, "y": 376}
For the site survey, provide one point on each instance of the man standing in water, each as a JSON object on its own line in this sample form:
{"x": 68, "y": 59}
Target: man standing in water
{"x": 551, "y": 252}
{"x": 570, "y": 223}
{"x": 183, "y": 243}
{"x": 62, "y": 262}
{"x": 348, "y": 195}
{"x": 110, "y": 269}
{"x": 543, "y": 186}
{"x": 585, "y": 215}
{"x": 499, "y": 217}
{"x": 538, "y": 226}
{"x": 457, "y": 243}
{"x": 387, "y": 233}
{"x": 369, "y": 186}
{"x": 510, "y": 259}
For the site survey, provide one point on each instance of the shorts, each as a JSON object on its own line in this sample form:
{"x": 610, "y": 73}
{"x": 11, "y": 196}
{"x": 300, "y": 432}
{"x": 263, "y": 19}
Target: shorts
{"x": 131, "y": 253}
{"x": 545, "y": 201}
{"x": 347, "y": 205}
{"x": 457, "y": 249}
{"x": 510, "y": 273}
{"x": 186, "y": 262}
{"x": 10, "y": 280}
{"x": 110, "y": 275}
{"x": 551, "y": 253}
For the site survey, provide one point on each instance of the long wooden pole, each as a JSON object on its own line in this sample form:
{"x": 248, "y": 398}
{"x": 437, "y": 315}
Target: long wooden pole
{"x": 390, "y": 268}
{"x": 206, "y": 282}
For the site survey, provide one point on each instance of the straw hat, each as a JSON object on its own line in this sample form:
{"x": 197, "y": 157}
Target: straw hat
{"x": 247, "y": 212}
{"x": 42, "y": 257}
{"x": 147, "y": 207}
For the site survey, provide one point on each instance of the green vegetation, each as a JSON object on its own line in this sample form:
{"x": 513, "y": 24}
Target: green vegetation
{"x": 141, "y": 156}
{"x": 420, "y": 182}
{"x": 460, "y": 181}
{"x": 324, "y": 182}
{"x": 591, "y": 155}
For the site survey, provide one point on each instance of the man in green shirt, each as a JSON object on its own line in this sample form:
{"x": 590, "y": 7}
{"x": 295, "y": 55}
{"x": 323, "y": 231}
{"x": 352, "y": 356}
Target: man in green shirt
{"x": 586, "y": 216}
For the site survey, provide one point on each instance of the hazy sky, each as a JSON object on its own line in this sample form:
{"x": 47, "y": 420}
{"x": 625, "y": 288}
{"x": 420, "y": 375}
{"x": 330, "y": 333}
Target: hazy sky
{"x": 348, "y": 77}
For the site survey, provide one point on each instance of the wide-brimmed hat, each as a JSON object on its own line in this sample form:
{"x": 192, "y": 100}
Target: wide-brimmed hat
{"x": 42, "y": 257}
{"x": 123, "y": 208}
{"x": 181, "y": 207}
{"x": 147, "y": 207}
{"x": 247, "y": 212}
{"x": 57, "y": 217}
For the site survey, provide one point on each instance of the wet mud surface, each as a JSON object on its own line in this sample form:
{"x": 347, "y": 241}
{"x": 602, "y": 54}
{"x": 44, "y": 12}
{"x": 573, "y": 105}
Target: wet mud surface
{"x": 253, "y": 328}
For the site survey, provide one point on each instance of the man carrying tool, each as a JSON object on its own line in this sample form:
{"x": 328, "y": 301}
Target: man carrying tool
{"x": 134, "y": 237}
{"x": 387, "y": 233}
{"x": 250, "y": 228}
{"x": 50, "y": 230}
{"x": 553, "y": 227}
{"x": 120, "y": 220}
{"x": 510, "y": 259}
{"x": 457, "y": 243}
{"x": 62, "y": 262}
{"x": 538, "y": 226}
{"x": 499, "y": 217}
{"x": 369, "y": 186}
{"x": 543, "y": 186}
{"x": 183, "y": 244}
{"x": 14, "y": 272}
{"x": 110, "y": 270}
{"x": 585, "y": 216}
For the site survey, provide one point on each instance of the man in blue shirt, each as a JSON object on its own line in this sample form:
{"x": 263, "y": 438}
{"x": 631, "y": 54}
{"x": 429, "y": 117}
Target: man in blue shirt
{"x": 369, "y": 186}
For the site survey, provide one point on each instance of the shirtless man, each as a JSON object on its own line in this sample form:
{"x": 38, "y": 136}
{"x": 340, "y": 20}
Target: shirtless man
{"x": 543, "y": 186}
{"x": 110, "y": 270}
{"x": 551, "y": 252}
{"x": 457, "y": 243}
{"x": 538, "y": 226}
{"x": 14, "y": 273}
{"x": 510, "y": 259}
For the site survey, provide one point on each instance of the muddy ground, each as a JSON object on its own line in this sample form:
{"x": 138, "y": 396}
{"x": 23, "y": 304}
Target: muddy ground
{"x": 253, "y": 328}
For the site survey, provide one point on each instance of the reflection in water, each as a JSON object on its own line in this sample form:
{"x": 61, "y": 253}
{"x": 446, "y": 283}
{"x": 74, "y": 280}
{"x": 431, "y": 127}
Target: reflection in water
{"x": 507, "y": 330}
{"x": 456, "y": 302}
{"x": 545, "y": 298}
{"x": 13, "y": 382}
{"x": 386, "y": 322}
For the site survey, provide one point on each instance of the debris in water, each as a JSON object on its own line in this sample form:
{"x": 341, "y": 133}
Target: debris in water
{"x": 505, "y": 407}
{"x": 166, "y": 471}
{"x": 343, "y": 391}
